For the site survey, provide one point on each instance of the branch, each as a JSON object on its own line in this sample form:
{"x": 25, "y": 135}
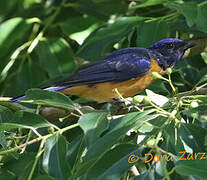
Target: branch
{"x": 202, "y": 91}
{"x": 38, "y": 139}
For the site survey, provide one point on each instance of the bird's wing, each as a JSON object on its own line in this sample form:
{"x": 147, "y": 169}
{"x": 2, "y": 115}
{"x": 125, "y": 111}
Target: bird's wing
{"x": 119, "y": 66}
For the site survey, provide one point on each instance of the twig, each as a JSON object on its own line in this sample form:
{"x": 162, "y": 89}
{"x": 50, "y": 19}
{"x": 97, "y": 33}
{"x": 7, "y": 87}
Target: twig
{"x": 38, "y": 139}
{"x": 23, "y": 145}
{"x": 201, "y": 91}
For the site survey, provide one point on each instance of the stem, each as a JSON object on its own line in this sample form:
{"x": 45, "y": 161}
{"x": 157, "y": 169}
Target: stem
{"x": 176, "y": 135}
{"x": 160, "y": 109}
{"x": 202, "y": 91}
{"x": 169, "y": 173}
{"x": 27, "y": 140}
{"x": 119, "y": 94}
{"x": 171, "y": 84}
{"x": 203, "y": 3}
{"x": 68, "y": 128}
{"x": 13, "y": 57}
{"x": 40, "y": 151}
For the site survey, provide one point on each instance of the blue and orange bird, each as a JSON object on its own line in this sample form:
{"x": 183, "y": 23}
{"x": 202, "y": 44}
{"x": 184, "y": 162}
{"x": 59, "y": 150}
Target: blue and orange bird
{"x": 129, "y": 70}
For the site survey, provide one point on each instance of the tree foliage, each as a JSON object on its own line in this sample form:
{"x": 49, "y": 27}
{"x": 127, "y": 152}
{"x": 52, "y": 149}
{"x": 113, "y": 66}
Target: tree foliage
{"x": 51, "y": 136}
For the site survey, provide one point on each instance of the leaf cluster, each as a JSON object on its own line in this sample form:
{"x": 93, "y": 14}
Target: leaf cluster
{"x": 44, "y": 41}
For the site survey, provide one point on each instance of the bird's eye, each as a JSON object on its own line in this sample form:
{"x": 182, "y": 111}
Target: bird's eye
{"x": 170, "y": 45}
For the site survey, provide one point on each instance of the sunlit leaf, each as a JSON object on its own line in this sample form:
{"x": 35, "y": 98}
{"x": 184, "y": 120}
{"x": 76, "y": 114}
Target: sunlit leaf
{"x": 12, "y": 30}
{"x": 64, "y": 55}
{"x": 97, "y": 43}
{"x": 47, "y": 59}
{"x": 156, "y": 98}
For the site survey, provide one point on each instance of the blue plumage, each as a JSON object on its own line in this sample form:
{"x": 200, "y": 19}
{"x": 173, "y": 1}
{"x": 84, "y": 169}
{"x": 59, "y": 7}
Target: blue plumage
{"x": 119, "y": 66}
{"x": 125, "y": 64}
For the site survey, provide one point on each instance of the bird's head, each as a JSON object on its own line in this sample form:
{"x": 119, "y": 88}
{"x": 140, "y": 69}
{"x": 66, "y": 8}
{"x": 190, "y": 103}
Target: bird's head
{"x": 169, "y": 51}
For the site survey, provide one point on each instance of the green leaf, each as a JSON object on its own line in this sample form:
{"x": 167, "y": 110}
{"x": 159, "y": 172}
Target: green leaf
{"x": 54, "y": 158}
{"x": 202, "y": 80}
{"x": 188, "y": 9}
{"x": 75, "y": 150}
{"x": 159, "y": 87}
{"x": 114, "y": 163}
{"x": 119, "y": 128}
{"x": 49, "y": 98}
{"x": 6, "y": 176}
{"x": 190, "y": 74}
{"x": 12, "y": 30}
{"x": 20, "y": 167}
{"x": 125, "y": 123}
{"x": 95, "y": 46}
{"x": 195, "y": 167}
{"x": 6, "y": 6}
{"x": 47, "y": 59}
{"x": 93, "y": 125}
{"x": 70, "y": 26}
{"x": 26, "y": 120}
{"x": 64, "y": 55}
{"x": 3, "y": 140}
{"x": 101, "y": 9}
{"x": 191, "y": 137}
{"x": 198, "y": 113}
{"x": 151, "y": 32}
{"x": 25, "y": 78}
{"x": 6, "y": 114}
{"x": 172, "y": 141}
{"x": 44, "y": 177}
{"x": 201, "y": 20}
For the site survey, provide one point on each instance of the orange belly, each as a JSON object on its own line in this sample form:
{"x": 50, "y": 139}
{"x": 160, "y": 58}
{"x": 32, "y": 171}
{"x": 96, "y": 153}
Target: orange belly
{"x": 104, "y": 92}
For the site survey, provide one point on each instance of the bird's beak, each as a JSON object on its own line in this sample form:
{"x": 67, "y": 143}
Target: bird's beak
{"x": 186, "y": 48}
{"x": 189, "y": 45}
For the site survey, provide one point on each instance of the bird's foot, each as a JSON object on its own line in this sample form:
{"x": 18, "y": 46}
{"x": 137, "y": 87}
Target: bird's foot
{"x": 126, "y": 103}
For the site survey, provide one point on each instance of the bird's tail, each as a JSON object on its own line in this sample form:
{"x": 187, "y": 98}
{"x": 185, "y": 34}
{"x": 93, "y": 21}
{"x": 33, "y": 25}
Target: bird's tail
{"x": 52, "y": 88}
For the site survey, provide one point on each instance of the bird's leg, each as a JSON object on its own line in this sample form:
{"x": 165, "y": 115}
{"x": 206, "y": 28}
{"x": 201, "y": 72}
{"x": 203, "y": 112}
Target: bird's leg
{"x": 125, "y": 103}
{"x": 119, "y": 102}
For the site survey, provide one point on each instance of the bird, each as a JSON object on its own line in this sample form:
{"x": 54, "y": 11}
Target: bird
{"x": 127, "y": 70}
